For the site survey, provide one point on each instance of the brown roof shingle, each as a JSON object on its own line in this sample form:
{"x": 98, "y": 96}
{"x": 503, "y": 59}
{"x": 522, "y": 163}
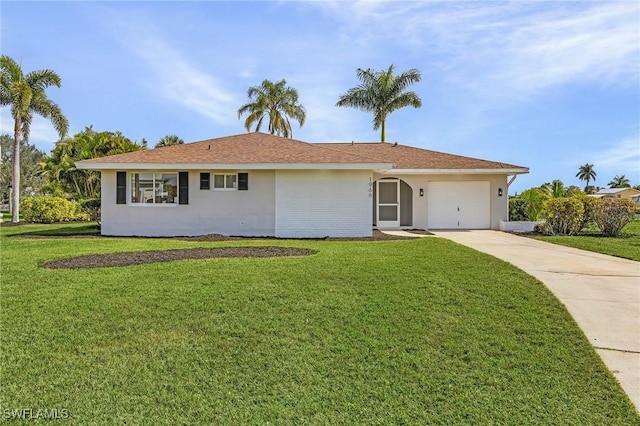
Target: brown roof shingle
{"x": 408, "y": 157}
{"x": 248, "y": 148}
{"x": 262, "y": 148}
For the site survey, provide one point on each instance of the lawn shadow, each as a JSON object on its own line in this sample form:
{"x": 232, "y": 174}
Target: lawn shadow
{"x": 89, "y": 230}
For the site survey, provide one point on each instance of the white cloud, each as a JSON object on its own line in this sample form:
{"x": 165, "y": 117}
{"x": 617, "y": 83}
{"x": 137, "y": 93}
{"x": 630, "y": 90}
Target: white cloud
{"x": 177, "y": 78}
{"x": 508, "y": 50}
{"x": 599, "y": 44}
{"x": 623, "y": 156}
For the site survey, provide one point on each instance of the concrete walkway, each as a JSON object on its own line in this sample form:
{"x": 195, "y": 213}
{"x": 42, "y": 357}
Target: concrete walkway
{"x": 601, "y": 292}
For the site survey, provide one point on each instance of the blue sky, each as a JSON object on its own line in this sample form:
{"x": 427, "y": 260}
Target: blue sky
{"x": 550, "y": 85}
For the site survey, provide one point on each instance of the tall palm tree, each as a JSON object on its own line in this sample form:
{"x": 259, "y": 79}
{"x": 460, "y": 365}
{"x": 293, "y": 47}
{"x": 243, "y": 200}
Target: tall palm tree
{"x": 619, "y": 182}
{"x": 382, "y": 93}
{"x": 277, "y": 101}
{"x": 169, "y": 140}
{"x": 586, "y": 173}
{"x": 25, "y": 94}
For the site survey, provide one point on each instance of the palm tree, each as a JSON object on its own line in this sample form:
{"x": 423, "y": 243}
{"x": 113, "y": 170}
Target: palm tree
{"x": 619, "y": 182}
{"x": 60, "y": 167}
{"x": 277, "y": 101}
{"x": 586, "y": 173}
{"x": 382, "y": 93}
{"x": 26, "y": 96}
{"x": 169, "y": 140}
{"x": 554, "y": 189}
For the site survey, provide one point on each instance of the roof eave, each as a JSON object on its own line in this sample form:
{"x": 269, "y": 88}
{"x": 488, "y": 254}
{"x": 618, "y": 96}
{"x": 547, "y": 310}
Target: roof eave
{"x": 231, "y": 166}
{"x": 510, "y": 171}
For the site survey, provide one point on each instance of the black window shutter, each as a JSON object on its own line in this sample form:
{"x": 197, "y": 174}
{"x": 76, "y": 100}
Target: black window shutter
{"x": 205, "y": 180}
{"x": 243, "y": 181}
{"x": 121, "y": 187}
{"x": 183, "y": 187}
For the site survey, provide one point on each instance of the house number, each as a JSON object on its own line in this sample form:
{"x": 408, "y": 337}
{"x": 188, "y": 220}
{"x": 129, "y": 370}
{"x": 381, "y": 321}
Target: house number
{"x": 370, "y": 188}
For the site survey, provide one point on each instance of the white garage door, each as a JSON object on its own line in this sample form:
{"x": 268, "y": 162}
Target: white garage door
{"x": 459, "y": 205}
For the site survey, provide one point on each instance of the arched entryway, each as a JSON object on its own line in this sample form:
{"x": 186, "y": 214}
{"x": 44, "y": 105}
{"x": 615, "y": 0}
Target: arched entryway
{"x": 392, "y": 203}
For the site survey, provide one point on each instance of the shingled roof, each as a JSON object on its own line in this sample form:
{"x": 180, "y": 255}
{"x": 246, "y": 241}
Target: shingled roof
{"x": 247, "y": 148}
{"x": 408, "y": 157}
{"x": 264, "y": 149}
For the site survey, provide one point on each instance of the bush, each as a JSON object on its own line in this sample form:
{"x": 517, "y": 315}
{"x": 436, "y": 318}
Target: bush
{"x": 534, "y": 199}
{"x": 517, "y": 209}
{"x": 589, "y": 205}
{"x": 49, "y": 209}
{"x": 564, "y": 216}
{"x": 612, "y": 215}
{"x": 92, "y": 207}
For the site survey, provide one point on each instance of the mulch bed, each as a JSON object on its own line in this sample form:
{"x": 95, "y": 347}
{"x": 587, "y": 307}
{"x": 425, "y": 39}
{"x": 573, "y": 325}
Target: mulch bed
{"x": 137, "y": 258}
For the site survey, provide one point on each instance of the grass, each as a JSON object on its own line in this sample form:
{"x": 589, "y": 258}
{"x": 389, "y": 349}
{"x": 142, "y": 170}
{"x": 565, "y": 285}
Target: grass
{"x": 395, "y": 332}
{"x": 626, "y": 245}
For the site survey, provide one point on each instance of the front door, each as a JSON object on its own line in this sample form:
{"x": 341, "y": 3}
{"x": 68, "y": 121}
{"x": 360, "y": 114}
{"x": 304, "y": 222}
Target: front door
{"x": 388, "y": 196}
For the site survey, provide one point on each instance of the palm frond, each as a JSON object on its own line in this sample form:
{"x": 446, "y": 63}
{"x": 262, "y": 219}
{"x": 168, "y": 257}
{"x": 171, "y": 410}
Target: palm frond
{"x": 42, "y": 79}
{"x": 277, "y": 101}
{"x": 381, "y": 93}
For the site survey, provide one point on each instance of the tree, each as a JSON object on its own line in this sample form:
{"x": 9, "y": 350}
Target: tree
{"x": 382, "y": 93}
{"x": 169, "y": 140}
{"x": 586, "y": 173}
{"x": 278, "y": 102}
{"x": 619, "y": 182}
{"x": 572, "y": 191}
{"x": 554, "y": 189}
{"x": 26, "y": 96}
{"x": 534, "y": 199}
{"x": 60, "y": 168}
{"x": 30, "y": 157}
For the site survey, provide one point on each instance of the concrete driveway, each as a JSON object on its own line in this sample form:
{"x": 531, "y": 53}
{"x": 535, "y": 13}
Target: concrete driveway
{"x": 601, "y": 292}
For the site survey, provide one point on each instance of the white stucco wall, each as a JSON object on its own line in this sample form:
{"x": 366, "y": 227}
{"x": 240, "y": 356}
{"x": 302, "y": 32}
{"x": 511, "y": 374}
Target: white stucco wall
{"x": 320, "y": 203}
{"x": 247, "y": 213}
{"x": 499, "y": 205}
{"x": 283, "y": 203}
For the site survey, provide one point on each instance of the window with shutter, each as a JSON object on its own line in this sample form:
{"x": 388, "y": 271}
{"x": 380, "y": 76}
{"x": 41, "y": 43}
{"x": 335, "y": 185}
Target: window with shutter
{"x": 243, "y": 181}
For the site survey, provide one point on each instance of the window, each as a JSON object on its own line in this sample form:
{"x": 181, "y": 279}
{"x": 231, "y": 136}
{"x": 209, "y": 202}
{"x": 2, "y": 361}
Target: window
{"x": 224, "y": 181}
{"x": 154, "y": 188}
{"x": 205, "y": 180}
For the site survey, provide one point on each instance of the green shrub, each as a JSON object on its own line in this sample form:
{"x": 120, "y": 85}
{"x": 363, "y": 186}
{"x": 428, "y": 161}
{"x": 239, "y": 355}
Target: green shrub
{"x": 49, "y": 209}
{"x": 564, "y": 216}
{"x": 612, "y": 215}
{"x": 589, "y": 205}
{"x": 534, "y": 199}
{"x": 92, "y": 207}
{"x": 517, "y": 209}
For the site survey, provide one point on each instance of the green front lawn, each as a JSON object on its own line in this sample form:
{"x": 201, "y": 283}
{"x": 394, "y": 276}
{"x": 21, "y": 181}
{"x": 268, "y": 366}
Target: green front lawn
{"x": 626, "y": 245}
{"x": 395, "y": 332}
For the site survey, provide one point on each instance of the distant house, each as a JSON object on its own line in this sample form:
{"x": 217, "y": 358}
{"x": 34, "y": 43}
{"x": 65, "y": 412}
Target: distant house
{"x": 255, "y": 184}
{"x": 628, "y": 193}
